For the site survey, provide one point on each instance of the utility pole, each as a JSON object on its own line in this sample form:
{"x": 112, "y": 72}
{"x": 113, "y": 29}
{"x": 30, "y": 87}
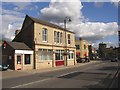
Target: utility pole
{"x": 65, "y": 51}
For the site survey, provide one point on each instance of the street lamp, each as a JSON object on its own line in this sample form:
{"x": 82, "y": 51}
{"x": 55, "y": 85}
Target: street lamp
{"x": 65, "y": 52}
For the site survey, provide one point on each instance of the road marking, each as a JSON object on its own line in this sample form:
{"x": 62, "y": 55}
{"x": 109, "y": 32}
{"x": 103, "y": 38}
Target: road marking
{"x": 50, "y": 78}
{"x": 30, "y": 83}
{"x": 67, "y": 74}
{"x": 72, "y": 72}
{"x": 78, "y": 71}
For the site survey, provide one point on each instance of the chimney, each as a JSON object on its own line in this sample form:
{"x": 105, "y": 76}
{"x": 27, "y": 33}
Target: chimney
{"x": 16, "y": 32}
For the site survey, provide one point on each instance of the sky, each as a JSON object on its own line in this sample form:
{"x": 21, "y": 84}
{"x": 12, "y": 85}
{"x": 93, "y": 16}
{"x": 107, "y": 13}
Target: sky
{"x": 93, "y": 21}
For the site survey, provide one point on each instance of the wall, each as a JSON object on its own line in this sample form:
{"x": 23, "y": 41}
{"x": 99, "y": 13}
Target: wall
{"x": 23, "y": 66}
{"x": 50, "y": 44}
{"x": 82, "y": 50}
{"x": 6, "y": 52}
{"x": 26, "y": 34}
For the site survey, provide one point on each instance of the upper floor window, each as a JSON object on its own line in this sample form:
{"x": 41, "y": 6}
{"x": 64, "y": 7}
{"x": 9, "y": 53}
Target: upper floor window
{"x": 68, "y": 38}
{"x": 61, "y": 37}
{"x": 58, "y": 37}
{"x": 77, "y": 47}
{"x": 44, "y": 34}
{"x": 84, "y": 46}
{"x": 55, "y": 36}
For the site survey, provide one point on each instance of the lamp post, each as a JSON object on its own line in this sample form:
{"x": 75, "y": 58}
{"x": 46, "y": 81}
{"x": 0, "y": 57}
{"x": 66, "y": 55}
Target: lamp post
{"x": 65, "y": 22}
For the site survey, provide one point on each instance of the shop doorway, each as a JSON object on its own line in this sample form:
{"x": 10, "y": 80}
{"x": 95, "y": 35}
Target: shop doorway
{"x": 59, "y": 61}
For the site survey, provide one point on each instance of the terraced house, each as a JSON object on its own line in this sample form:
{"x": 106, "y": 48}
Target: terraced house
{"x": 81, "y": 48}
{"x": 48, "y": 41}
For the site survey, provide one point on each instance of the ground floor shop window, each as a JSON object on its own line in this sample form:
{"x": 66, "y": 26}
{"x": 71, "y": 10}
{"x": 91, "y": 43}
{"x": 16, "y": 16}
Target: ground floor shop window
{"x": 71, "y": 55}
{"x": 45, "y": 54}
{"x": 27, "y": 59}
{"x": 59, "y": 55}
{"x": 18, "y": 59}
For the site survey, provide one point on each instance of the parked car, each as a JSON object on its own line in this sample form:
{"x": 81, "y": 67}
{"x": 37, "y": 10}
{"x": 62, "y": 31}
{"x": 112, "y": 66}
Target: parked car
{"x": 114, "y": 59}
{"x": 87, "y": 59}
{"x": 81, "y": 60}
{"x": 3, "y": 67}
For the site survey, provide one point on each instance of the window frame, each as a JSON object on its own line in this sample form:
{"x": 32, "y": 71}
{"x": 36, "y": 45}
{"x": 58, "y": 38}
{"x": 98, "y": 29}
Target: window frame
{"x": 25, "y": 62}
{"x": 77, "y": 47}
{"x": 69, "y": 41}
{"x": 44, "y": 35}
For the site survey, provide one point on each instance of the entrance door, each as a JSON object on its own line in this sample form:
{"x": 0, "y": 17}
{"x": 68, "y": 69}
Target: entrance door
{"x": 19, "y": 59}
{"x": 59, "y": 58}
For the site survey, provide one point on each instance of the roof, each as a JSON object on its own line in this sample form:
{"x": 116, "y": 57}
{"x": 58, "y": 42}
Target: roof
{"x": 47, "y": 23}
{"x": 18, "y": 45}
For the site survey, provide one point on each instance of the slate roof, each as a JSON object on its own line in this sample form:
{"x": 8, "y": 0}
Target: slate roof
{"x": 18, "y": 46}
{"x": 47, "y": 23}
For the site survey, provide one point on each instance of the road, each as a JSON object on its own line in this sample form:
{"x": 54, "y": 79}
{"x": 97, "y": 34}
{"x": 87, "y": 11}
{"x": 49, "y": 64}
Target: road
{"x": 95, "y": 75}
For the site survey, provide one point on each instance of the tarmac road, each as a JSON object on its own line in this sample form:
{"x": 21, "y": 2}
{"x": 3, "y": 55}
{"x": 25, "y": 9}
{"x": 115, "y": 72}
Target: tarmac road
{"x": 93, "y": 75}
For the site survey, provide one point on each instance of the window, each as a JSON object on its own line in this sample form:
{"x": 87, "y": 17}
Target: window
{"x": 18, "y": 59}
{"x": 45, "y": 54}
{"x": 61, "y": 37}
{"x": 77, "y": 47}
{"x": 49, "y": 55}
{"x": 55, "y": 36}
{"x": 58, "y": 37}
{"x": 58, "y": 55}
{"x": 40, "y": 54}
{"x": 84, "y": 46}
{"x": 68, "y": 38}
{"x": 27, "y": 58}
{"x": 71, "y": 55}
{"x": 44, "y": 34}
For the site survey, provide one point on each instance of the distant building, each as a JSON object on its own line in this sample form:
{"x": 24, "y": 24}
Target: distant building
{"x": 102, "y": 50}
{"x": 81, "y": 48}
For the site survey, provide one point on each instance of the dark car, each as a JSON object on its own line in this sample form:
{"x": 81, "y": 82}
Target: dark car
{"x": 81, "y": 60}
{"x": 114, "y": 59}
{"x": 3, "y": 67}
{"x": 87, "y": 59}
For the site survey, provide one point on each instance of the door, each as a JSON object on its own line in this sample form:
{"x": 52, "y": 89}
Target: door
{"x": 19, "y": 62}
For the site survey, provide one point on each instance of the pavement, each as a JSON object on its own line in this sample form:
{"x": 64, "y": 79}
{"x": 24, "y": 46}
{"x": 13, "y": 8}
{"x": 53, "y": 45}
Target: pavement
{"x": 18, "y": 73}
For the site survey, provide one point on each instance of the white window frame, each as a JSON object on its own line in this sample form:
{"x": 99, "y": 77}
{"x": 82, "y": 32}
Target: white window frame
{"x": 55, "y": 36}
{"x": 44, "y": 35}
{"x": 70, "y": 53}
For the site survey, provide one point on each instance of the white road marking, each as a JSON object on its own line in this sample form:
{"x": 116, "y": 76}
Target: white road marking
{"x": 30, "y": 83}
{"x": 50, "y": 78}
{"x": 72, "y": 72}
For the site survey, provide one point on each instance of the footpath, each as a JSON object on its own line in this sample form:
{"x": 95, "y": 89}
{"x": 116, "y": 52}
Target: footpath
{"x": 18, "y": 73}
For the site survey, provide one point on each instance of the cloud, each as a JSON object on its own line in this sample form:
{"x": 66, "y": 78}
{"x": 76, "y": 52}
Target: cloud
{"x": 115, "y": 2}
{"x": 11, "y": 21}
{"x": 92, "y": 31}
{"x": 57, "y": 14}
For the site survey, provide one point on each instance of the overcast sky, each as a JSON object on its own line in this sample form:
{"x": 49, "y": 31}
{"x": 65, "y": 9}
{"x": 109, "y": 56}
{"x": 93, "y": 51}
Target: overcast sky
{"x": 93, "y": 21}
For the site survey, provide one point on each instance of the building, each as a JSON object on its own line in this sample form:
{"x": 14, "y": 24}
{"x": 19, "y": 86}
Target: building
{"x": 81, "y": 48}
{"x": 48, "y": 42}
{"x": 102, "y": 50}
{"x": 18, "y": 55}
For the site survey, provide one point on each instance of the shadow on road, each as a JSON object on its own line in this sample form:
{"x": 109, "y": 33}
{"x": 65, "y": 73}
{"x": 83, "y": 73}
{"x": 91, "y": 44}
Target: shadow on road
{"x": 111, "y": 68}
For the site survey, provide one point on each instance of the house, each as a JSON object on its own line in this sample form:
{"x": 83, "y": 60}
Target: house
{"x": 18, "y": 55}
{"x": 81, "y": 48}
{"x": 52, "y": 45}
